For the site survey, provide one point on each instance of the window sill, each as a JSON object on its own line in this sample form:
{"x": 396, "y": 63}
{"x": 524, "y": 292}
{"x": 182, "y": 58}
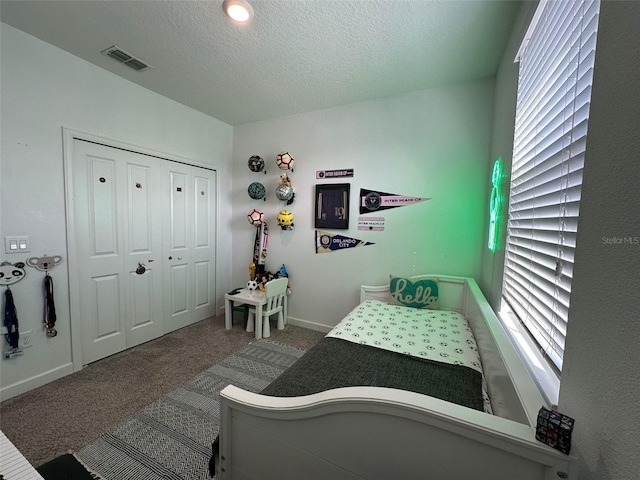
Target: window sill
{"x": 538, "y": 366}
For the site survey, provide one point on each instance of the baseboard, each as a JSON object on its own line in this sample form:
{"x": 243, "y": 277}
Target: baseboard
{"x": 24, "y": 386}
{"x": 319, "y": 327}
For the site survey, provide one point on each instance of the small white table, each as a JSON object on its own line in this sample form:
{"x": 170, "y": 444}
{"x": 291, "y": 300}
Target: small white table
{"x": 256, "y": 298}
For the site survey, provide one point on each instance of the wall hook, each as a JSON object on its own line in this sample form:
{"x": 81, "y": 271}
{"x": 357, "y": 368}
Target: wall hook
{"x": 11, "y": 273}
{"x": 45, "y": 262}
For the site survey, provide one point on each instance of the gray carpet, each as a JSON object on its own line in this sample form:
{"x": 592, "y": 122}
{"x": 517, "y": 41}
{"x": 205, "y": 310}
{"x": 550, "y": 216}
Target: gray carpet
{"x": 171, "y": 438}
{"x": 65, "y": 415}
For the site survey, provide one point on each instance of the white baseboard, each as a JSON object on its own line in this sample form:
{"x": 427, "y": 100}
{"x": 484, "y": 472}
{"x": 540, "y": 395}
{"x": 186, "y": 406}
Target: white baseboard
{"x": 24, "y": 386}
{"x": 319, "y": 327}
{"x": 298, "y": 322}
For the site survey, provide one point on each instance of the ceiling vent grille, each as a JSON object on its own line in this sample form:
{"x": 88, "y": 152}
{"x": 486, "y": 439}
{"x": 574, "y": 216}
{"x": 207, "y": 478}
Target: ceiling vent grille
{"x": 126, "y": 58}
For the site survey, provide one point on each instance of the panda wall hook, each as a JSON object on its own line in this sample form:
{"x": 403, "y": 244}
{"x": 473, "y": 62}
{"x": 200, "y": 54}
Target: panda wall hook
{"x": 44, "y": 263}
{"x": 11, "y": 273}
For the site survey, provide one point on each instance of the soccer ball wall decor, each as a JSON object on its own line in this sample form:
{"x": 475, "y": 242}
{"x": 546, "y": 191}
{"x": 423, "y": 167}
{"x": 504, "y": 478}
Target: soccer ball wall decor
{"x": 256, "y": 163}
{"x": 257, "y": 191}
{"x": 255, "y": 217}
{"x": 285, "y": 161}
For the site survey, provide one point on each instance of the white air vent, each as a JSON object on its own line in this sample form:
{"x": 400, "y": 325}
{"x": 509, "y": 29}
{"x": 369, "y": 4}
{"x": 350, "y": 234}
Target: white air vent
{"x": 126, "y": 58}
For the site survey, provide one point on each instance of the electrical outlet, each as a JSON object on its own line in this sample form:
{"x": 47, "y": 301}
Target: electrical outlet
{"x": 26, "y": 339}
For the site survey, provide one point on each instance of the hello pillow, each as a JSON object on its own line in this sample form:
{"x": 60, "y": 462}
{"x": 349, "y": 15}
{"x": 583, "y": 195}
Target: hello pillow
{"x": 414, "y": 293}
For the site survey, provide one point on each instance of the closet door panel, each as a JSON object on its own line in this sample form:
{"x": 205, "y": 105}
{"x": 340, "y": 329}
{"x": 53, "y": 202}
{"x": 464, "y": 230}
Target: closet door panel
{"x": 145, "y": 238}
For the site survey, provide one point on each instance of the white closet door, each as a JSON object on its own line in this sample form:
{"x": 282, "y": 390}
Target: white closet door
{"x": 118, "y": 229}
{"x": 189, "y": 245}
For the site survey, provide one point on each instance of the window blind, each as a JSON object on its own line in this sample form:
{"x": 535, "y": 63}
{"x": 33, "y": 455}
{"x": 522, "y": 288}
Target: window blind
{"x": 554, "y": 90}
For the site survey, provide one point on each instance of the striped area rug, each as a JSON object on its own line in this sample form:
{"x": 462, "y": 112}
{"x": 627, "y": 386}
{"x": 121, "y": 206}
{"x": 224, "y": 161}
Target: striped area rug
{"x": 171, "y": 438}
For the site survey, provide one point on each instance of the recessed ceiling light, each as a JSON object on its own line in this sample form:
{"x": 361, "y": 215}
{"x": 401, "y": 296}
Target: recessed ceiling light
{"x": 238, "y": 10}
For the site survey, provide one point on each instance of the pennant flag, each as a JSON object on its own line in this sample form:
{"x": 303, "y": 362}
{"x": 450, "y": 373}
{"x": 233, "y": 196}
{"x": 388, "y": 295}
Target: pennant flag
{"x": 260, "y": 244}
{"x": 329, "y": 242}
{"x": 372, "y": 201}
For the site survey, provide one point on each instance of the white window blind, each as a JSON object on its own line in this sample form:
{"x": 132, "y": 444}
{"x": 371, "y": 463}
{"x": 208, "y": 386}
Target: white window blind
{"x": 554, "y": 91}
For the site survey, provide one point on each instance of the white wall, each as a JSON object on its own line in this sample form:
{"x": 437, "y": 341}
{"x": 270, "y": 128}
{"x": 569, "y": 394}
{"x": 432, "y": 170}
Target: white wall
{"x": 600, "y": 382}
{"x": 506, "y": 92}
{"x": 432, "y": 143}
{"x": 601, "y": 375}
{"x": 44, "y": 89}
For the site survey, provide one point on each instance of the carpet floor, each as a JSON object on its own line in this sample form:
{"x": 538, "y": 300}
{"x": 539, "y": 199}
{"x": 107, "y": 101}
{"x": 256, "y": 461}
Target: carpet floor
{"x": 65, "y": 415}
{"x": 171, "y": 438}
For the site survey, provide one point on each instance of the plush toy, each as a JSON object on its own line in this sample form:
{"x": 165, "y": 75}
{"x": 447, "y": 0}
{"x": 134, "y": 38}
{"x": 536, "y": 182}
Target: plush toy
{"x": 285, "y": 180}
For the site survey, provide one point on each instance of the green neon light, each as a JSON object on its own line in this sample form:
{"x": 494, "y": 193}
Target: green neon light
{"x": 495, "y": 204}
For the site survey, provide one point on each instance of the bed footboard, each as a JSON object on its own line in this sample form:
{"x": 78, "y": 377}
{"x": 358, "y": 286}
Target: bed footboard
{"x": 374, "y": 433}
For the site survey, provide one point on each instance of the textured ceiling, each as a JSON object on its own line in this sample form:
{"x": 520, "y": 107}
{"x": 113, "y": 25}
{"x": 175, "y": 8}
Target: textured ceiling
{"x": 295, "y": 56}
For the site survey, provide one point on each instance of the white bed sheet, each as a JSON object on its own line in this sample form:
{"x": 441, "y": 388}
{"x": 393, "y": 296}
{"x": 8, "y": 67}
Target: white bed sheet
{"x": 439, "y": 335}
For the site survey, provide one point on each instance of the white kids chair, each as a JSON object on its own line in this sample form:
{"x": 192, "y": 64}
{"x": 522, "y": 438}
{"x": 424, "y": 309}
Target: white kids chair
{"x": 275, "y": 292}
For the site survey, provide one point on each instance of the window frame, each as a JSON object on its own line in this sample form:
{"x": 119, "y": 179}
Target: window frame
{"x": 528, "y": 333}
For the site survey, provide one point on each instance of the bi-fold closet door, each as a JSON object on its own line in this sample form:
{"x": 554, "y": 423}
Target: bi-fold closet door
{"x": 145, "y": 238}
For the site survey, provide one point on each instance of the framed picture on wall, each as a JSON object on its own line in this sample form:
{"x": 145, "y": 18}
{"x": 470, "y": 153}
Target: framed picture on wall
{"x": 332, "y": 206}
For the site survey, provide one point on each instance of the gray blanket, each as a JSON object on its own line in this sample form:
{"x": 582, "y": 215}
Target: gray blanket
{"x": 334, "y": 363}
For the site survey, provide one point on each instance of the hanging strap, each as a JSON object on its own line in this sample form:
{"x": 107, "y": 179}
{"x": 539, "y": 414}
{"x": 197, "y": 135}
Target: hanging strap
{"x": 11, "y": 320}
{"x": 49, "y": 307}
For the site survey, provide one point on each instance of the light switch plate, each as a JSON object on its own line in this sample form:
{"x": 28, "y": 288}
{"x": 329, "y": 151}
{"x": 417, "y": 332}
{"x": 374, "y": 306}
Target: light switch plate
{"x": 17, "y": 244}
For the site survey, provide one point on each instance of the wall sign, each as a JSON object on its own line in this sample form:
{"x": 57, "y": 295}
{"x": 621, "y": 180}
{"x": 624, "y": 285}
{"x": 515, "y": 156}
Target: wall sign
{"x": 371, "y": 224}
{"x": 347, "y": 172}
{"x": 372, "y": 200}
{"x": 330, "y": 242}
{"x": 332, "y": 206}
{"x": 495, "y": 205}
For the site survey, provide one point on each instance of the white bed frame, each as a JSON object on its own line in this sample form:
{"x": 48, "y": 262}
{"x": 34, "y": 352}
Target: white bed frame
{"x": 387, "y": 434}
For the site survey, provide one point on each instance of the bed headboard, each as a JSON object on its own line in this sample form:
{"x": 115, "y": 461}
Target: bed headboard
{"x": 451, "y": 291}
{"x": 514, "y": 394}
